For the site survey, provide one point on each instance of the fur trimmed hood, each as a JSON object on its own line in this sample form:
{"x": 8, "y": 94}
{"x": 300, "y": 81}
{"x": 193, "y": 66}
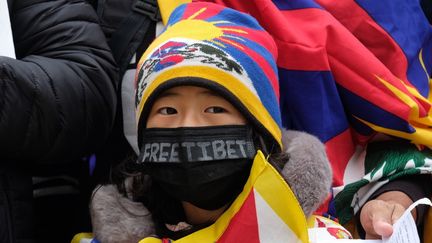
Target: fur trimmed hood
{"x": 116, "y": 218}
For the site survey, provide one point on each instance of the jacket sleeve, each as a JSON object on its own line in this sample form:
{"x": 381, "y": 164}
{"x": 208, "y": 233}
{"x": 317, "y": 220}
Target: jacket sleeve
{"x": 57, "y": 99}
{"x": 415, "y": 187}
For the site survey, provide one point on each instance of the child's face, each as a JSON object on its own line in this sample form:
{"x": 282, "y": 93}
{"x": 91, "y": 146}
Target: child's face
{"x": 190, "y": 106}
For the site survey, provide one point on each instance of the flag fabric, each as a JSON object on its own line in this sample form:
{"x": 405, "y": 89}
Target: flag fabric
{"x": 398, "y": 34}
{"x": 351, "y": 72}
{"x": 265, "y": 211}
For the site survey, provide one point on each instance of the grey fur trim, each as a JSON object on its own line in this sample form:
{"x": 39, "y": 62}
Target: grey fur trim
{"x": 308, "y": 170}
{"x": 118, "y": 219}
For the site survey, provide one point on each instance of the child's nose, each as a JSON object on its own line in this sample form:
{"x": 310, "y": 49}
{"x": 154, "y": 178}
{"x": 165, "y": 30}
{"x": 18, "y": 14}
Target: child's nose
{"x": 190, "y": 119}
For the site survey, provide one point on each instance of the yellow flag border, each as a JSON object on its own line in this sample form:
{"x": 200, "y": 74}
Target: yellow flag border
{"x": 263, "y": 176}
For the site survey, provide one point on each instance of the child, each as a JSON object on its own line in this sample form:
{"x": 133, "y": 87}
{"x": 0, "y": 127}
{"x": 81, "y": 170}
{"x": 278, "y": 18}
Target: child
{"x": 207, "y": 106}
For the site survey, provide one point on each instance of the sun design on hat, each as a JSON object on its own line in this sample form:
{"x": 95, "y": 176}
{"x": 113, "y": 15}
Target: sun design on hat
{"x": 196, "y": 27}
{"x": 227, "y": 48}
{"x": 193, "y": 38}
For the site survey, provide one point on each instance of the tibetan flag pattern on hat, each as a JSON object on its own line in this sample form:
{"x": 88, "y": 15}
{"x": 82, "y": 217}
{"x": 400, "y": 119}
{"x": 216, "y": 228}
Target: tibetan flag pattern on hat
{"x": 349, "y": 71}
{"x": 265, "y": 211}
{"x": 218, "y": 48}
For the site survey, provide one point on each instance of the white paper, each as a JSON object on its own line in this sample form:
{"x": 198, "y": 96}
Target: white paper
{"x": 6, "y": 40}
{"x": 405, "y": 229}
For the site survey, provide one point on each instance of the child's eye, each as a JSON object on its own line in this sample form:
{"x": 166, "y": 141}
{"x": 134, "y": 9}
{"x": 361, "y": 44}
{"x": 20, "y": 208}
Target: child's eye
{"x": 167, "y": 111}
{"x": 215, "y": 109}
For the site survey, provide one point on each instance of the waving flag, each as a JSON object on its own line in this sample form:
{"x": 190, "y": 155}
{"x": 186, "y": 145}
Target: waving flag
{"x": 265, "y": 211}
{"x": 349, "y": 70}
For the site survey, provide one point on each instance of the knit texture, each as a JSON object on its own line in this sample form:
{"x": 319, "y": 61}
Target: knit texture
{"x": 219, "y": 49}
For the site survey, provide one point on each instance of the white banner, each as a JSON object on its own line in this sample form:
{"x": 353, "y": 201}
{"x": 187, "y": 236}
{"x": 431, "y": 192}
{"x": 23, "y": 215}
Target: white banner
{"x": 6, "y": 40}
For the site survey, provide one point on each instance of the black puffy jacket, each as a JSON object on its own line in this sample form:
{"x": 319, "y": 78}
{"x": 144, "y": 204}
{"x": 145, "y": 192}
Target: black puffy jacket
{"x": 57, "y": 100}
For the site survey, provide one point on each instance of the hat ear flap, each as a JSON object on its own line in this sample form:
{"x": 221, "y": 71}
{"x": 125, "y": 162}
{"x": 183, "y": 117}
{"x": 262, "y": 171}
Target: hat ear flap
{"x": 307, "y": 162}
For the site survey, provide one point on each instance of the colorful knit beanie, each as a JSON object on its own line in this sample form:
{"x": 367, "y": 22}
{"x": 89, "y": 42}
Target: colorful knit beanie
{"x": 220, "y": 49}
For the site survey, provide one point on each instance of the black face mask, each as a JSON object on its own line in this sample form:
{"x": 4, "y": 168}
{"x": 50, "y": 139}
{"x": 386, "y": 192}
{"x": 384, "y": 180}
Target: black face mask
{"x": 206, "y": 166}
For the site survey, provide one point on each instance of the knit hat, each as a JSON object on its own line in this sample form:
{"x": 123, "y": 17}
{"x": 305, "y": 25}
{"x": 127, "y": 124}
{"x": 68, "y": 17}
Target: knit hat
{"x": 218, "y": 48}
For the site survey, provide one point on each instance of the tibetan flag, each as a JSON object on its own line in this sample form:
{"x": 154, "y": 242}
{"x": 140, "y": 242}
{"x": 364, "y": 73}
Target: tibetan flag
{"x": 350, "y": 70}
{"x": 265, "y": 211}
{"x": 398, "y": 34}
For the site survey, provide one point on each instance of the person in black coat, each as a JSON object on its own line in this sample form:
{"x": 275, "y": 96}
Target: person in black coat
{"x": 57, "y": 106}
{"x": 427, "y": 9}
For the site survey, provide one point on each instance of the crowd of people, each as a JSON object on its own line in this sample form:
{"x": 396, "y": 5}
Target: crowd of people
{"x": 150, "y": 119}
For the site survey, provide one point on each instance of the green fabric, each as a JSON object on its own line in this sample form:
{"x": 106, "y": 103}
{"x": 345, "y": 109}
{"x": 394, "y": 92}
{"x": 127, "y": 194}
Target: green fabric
{"x": 385, "y": 161}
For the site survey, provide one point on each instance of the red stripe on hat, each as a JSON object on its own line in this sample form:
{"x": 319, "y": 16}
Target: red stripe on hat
{"x": 192, "y": 9}
{"x": 263, "y": 64}
{"x": 259, "y": 36}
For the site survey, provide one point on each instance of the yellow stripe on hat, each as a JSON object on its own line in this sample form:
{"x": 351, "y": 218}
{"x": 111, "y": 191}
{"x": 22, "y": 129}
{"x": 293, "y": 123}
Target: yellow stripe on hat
{"x": 166, "y": 7}
{"x": 192, "y": 29}
{"x": 236, "y": 87}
